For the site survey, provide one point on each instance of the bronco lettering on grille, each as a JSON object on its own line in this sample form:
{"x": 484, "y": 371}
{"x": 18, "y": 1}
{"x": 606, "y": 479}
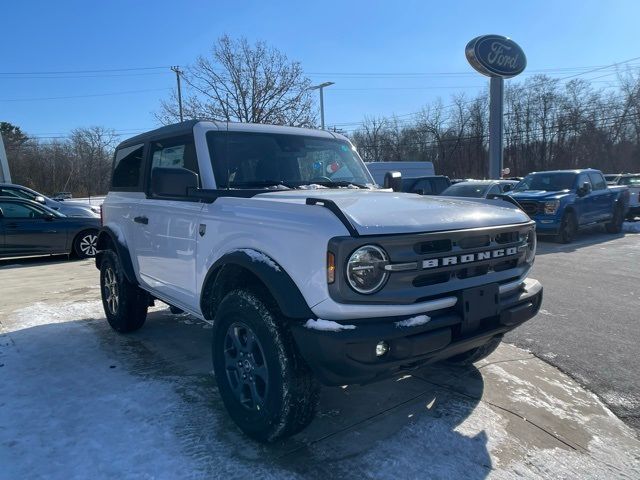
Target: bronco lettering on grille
{"x": 469, "y": 257}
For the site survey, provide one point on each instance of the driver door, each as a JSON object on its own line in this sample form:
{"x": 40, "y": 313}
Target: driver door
{"x": 27, "y": 230}
{"x": 585, "y": 207}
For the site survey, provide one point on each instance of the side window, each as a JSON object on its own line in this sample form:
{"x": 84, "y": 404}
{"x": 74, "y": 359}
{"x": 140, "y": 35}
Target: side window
{"x": 582, "y": 179}
{"x": 15, "y": 192}
{"x": 18, "y": 210}
{"x": 495, "y": 189}
{"x": 597, "y": 181}
{"x": 127, "y": 168}
{"x": 423, "y": 186}
{"x": 174, "y": 153}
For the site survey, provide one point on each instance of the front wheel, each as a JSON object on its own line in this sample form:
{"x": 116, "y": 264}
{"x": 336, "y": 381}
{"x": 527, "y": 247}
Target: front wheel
{"x": 615, "y": 226}
{"x": 568, "y": 228}
{"x": 125, "y": 304}
{"x": 266, "y": 386}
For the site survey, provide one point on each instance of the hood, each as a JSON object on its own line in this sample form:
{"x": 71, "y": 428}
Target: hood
{"x": 77, "y": 210}
{"x": 375, "y": 212}
{"x": 538, "y": 195}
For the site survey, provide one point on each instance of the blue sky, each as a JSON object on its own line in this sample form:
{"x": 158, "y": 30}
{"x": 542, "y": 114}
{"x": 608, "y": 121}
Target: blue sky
{"x": 330, "y": 39}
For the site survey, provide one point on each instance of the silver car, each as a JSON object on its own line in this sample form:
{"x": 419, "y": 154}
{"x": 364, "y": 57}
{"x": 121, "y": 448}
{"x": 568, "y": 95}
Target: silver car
{"x": 69, "y": 209}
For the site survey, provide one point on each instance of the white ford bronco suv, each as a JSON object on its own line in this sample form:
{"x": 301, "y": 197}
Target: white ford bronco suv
{"x": 309, "y": 272}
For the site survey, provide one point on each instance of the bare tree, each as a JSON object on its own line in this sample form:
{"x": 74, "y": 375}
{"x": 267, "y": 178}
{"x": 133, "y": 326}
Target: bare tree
{"x": 91, "y": 166}
{"x": 244, "y": 83}
{"x": 547, "y": 126}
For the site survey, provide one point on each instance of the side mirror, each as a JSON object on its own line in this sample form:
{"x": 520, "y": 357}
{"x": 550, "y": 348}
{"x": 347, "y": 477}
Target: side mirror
{"x": 49, "y": 216}
{"x": 40, "y": 199}
{"x": 507, "y": 188}
{"x": 584, "y": 189}
{"x": 172, "y": 182}
{"x": 393, "y": 180}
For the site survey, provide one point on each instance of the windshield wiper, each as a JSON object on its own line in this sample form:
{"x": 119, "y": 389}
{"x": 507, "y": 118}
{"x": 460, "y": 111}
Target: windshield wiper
{"x": 339, "y": 183}
{"x": 261, "y": 184}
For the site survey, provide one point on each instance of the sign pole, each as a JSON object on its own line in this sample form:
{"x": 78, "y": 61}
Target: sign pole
{"x": 496, "y": 57}
{"x": 5, "y": 175}
{"x": 496, "y": 120}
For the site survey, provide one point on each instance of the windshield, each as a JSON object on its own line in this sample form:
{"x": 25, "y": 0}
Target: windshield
{"x": 466, "y": 190}
{"x": 262, "y": 160}
{"x": 550, "y": 182}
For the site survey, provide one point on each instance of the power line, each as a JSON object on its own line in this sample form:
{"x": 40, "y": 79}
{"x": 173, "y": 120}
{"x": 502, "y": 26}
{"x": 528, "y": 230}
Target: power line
{"x": 83, "y": 96}
{"x": 62, "y": 72}
{"x": 80, "y": 76}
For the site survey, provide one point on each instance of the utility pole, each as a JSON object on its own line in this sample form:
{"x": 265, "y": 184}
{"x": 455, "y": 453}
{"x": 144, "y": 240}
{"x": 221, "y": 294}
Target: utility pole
{"x": 321, "y": 87}
{"x": 178, "y": 73}
{"x": 5, "y": 174}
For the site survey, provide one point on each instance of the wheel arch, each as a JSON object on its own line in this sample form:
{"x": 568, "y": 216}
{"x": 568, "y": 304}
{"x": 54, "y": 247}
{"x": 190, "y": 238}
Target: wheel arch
{"x": 109, "y": 240}
{"x": 242, "y": 267}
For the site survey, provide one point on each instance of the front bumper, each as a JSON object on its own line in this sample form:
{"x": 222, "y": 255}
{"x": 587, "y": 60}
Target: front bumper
{"x": 547, "y": 224}
{"x": 348, "y": 356}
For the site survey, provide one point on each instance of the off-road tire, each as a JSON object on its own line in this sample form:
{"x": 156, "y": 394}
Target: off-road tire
{"x": 568, "y": 228}
{"x": 128, "y": 311}
{"x": 283, "y": 391}
{"x": 475, "y": 355}
{"x": 85, "y": 244}
{"x": 615, "y": 226}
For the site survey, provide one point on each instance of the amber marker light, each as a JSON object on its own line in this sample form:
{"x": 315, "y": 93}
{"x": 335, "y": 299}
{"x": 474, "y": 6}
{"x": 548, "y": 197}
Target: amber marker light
{"x": 331, "y": 267}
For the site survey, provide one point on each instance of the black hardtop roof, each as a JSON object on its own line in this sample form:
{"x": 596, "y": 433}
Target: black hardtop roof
{"x": 182, "y": 128}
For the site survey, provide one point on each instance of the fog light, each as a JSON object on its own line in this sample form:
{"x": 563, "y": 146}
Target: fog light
{"x": 382, "y": 348}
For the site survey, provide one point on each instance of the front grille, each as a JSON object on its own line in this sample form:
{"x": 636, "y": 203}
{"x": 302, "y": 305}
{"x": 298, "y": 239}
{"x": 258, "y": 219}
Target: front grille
{"x": 530, "y": 207}
{"x": 437, "y": 263}
{"x": 433, "y": 246}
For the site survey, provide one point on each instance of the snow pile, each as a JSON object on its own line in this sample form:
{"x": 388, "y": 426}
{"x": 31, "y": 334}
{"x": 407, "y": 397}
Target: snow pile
{"x": 311, "y": 186}
{"x": 327, "y": 325}
{"x": 257, "y": 256}
{"x": 631, "y": 227}
{"x": 413, "y": 321}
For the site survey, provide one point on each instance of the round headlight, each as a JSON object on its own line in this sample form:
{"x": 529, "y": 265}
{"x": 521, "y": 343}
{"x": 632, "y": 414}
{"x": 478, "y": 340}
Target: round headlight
{"x": 365, "y": 269}
{"x": 532, "y": 243}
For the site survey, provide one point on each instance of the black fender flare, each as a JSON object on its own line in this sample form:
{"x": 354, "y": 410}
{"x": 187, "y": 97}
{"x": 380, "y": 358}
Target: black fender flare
{"x": 275, "y": 279}
{"x": 108, "y": 240}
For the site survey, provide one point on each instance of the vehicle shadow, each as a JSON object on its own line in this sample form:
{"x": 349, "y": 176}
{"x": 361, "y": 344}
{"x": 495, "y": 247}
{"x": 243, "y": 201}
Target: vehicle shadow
{"x": 585, "y": 238}
{"x": 91, "y": 388}
{"x": 20, "y": 262}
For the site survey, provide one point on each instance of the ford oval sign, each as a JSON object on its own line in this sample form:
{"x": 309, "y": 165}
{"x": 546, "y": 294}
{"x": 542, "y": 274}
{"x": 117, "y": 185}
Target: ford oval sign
{"x": 496, "y": 56}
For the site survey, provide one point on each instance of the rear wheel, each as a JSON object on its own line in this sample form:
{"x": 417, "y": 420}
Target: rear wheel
{"x": 476, "y": 354}
{"x": 568, "y": 228}
{"x": 615, "y": 226}
{"x": 266, "y": 386}
{"x": 85, "y": 244}
{"x": 125, "y": 304}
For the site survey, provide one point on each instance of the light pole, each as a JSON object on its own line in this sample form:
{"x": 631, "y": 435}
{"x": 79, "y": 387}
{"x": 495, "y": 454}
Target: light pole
{"x": 321, "y": 87}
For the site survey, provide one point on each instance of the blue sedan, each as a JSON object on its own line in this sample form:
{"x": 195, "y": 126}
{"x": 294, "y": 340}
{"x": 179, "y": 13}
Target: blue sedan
{"x": 29, "y": 228}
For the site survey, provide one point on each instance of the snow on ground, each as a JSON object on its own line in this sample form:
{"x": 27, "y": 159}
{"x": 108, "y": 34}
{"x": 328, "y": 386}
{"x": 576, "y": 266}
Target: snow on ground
{"x": 79, "y": 401}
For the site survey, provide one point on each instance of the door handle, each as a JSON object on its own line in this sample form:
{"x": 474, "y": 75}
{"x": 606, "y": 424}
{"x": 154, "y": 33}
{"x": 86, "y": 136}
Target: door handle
{"x": 144, "y": 220}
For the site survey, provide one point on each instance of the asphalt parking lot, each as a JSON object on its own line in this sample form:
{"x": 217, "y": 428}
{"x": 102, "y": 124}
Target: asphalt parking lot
{"x": 80, "y": 401}
{"x": 589, "y": 325}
